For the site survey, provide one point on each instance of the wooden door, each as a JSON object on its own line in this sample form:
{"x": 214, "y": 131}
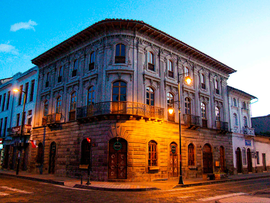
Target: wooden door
{"x": 238, "y": 160}
{"x": 207, "y": 159}
{"x": 52, "y": 158}
{"x": 117, "y": 159}
{"x": 249, "y": 158}
{"x": 173, "y": 160}
{"x": 264, "y": 162}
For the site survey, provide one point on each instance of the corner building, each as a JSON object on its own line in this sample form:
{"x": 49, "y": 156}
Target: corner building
{"x": 103, "y": 101}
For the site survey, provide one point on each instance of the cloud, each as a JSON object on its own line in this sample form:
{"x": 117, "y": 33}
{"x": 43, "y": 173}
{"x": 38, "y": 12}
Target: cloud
{"x": 23, "y": 25}
{"x": 6, "y": 48}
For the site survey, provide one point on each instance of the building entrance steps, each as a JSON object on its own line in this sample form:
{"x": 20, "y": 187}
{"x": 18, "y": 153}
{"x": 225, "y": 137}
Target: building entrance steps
{"x": 161, "y": 184}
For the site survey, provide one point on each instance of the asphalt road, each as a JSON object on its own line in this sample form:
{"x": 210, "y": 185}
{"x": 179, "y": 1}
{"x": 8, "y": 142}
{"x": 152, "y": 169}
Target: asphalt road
{"x": 19, "y": 190}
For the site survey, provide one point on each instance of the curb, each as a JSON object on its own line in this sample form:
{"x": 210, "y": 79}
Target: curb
{"x": 35, "y": 179}
{"x": 115, "y": 189}
{"x": 220, "y": 181}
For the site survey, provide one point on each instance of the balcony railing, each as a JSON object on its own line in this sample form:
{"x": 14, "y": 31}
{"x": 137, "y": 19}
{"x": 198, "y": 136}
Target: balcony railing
{"x": 54, "y": 118}
{"x": 127, "y": 108}
{"x": 220, "y": 125}
{"x": 248, "y": 131}
{"x": 191, "y": 120}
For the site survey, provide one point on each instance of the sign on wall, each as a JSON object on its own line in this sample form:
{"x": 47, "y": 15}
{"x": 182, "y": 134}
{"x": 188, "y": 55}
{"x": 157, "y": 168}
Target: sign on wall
{"x": 248, "y": 142}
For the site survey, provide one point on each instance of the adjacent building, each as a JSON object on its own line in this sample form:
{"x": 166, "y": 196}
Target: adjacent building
{"x": 103, "y": 100}
{"x": 11, "y": 115}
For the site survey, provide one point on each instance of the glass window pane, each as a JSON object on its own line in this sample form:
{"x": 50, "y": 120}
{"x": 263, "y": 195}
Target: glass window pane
{"x": 117, "y": 50}
{"x": 115, "y": 90}
{"x": 123, "y": 84}
{"x": 123, "y": 50}
{"x": 123, "y": 98}
{"x": 115, "y": 97}
{"x": 123, "y": 90}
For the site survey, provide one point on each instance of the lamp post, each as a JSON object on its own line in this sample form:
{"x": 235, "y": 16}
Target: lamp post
{"x": 22, "y": 124}
{"x": 188, "y": 81}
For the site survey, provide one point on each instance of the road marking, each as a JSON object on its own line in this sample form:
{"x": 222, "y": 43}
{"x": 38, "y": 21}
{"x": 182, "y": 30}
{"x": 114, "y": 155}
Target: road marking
{"x": 3, "y": 194}
{"x": 221, "y": 196}
{"x": 16, "y": 190}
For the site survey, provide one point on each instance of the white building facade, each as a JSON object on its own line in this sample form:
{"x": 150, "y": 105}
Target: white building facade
{"x": 11, "y": 115}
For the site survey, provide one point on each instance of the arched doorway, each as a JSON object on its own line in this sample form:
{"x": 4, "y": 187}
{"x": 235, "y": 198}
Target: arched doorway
{"x": 117, "y": 158}
{"x": 238, "y": 160}
{"x": 52, "y": 158}
{"x": 207, "y": 159}
{"x": 249, "y": 160}
{"x": 222, "y": 159}
{"x": 173, "y": 160}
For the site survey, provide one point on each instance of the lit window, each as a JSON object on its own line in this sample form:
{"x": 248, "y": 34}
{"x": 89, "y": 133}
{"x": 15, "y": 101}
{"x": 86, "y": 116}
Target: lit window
{"x": 217, "y": 112}
{"x": 170, "y": 104}
{"x": 46, "y": 108}
{"x": 119, "y": 91}
{"x": 120, "y": 53}
{"x": 203, "y": 110}
{"x": 170, "y": 68}
{"x": 152, "y": 153}
{"x": 59, "y": 104}
{"x": 150, "y": 96}
{"x": 73, "y": 101}
{"x": 191, "y": 155}
{"x": 186, "y": 71}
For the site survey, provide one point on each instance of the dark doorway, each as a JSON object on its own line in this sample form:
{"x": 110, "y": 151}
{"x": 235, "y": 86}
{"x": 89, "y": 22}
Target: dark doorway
{"x": 117, "y": 158}
{"x": 249, "y": 158}
{"x": 222, "y": 159}
{"x": 52, "y": 158}
{"x": 264, "y": 162}
{"x": 238, "y": 160}
{"x": 173, "y": 160}
{"x": 6, "y": 156}
{"x": 207, "y": 159}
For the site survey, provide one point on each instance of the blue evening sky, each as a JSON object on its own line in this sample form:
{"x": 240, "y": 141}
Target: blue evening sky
{"x": 237, "y": 33}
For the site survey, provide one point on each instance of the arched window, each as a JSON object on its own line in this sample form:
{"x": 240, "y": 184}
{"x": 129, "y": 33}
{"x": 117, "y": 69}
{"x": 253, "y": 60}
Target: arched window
{"x": 216, "y": 87}
{"x": 85, "y": 152}
{"x": 75, "y": 67}
{"x": 73, "y": 101}
{"x": 217, "y": 112}
{"x": 187, "y": 106}
{"x": 46, "y": 108}
{"x": 170, "y": 68}
{"x": 170, "y": 104}
{"x": 244, "y": 105}
{"x": 245, "y": 121}
{"x": 203, "y": 86}
{"x": 119, "y": 92}
{"x": 186, "y": 71}
{"x": 120, "y": 53}
{"x": 152, "y": 153}
{"x": 191, "y": 155}
{"x": 235, "y": 120}
{"x": 92, "y": 61}
{"x": 59, "y": 104}
{"x": 234, "y": 102}
{"x": 150, "y": 96}
{"x": 150, "y": 60}
{"x": 91, "y": 96}
{"x": 39, "y": 158}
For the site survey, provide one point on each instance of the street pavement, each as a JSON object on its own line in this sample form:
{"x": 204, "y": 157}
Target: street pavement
{"x": 168, "y": 186}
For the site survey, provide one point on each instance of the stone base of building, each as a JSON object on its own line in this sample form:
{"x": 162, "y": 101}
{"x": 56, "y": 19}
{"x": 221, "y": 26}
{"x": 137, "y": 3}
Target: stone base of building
{"x": 136, "y": 136}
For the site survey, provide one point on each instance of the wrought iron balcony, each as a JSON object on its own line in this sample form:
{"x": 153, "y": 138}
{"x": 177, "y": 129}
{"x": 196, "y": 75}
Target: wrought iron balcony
{"x": 248, "y": 131}
{"x": 120, "y": 108}
{"x": 223, "y": 126}
{"x": 191, "y": 120}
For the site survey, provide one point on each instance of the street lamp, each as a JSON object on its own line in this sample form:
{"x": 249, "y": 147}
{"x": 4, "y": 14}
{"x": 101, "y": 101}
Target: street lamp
{"x": 188, "y": 81}
{"x": 20, "y": 147}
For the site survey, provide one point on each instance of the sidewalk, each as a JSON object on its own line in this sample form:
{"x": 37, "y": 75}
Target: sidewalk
{"x": 129, "y": 186}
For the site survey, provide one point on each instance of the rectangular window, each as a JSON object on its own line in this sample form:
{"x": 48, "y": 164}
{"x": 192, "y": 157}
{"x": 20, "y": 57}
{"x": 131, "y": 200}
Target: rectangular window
{"x": 4, "y": 102}
{"x": 8, "y": 98}
{"x": 5, "y": 127}
{"x": 18, "y": 120}
{"x": 152, "y": 153}
{"x": 32, "y": 90}
{"x": 1, "y": 126}
{"x": 29, "y": 117}
{"x": 20, "y": 96}
{"x": 258, "y": 157}
{"x": 26, "y": 91}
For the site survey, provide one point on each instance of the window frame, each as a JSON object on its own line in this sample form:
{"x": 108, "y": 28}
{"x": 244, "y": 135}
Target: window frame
{"x": 58, "y": 108}
{"x": 203, "y": 84}
{"x": 187, "y": 106}
{"x": 203, "y": 111}
{"x": 118, "y": 85}
{"x": 150, "y": 96}
{"x": 152, "y": 154}
{"x": 191, "y": 154}
{"x": 120, "y": 55}
{"x": 45, "y": 108}
{"x": 150, "y": 60}
{"x": 91, "y": 100}
{"x": 73, "y": 101}
{"x": 92, "y": 60}
{"x": 217, "y": 113}
{"x": 170, "y": 68}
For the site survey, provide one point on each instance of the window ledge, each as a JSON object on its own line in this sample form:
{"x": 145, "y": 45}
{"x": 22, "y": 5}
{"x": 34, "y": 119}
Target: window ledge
{"x": 153, "y": 168}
